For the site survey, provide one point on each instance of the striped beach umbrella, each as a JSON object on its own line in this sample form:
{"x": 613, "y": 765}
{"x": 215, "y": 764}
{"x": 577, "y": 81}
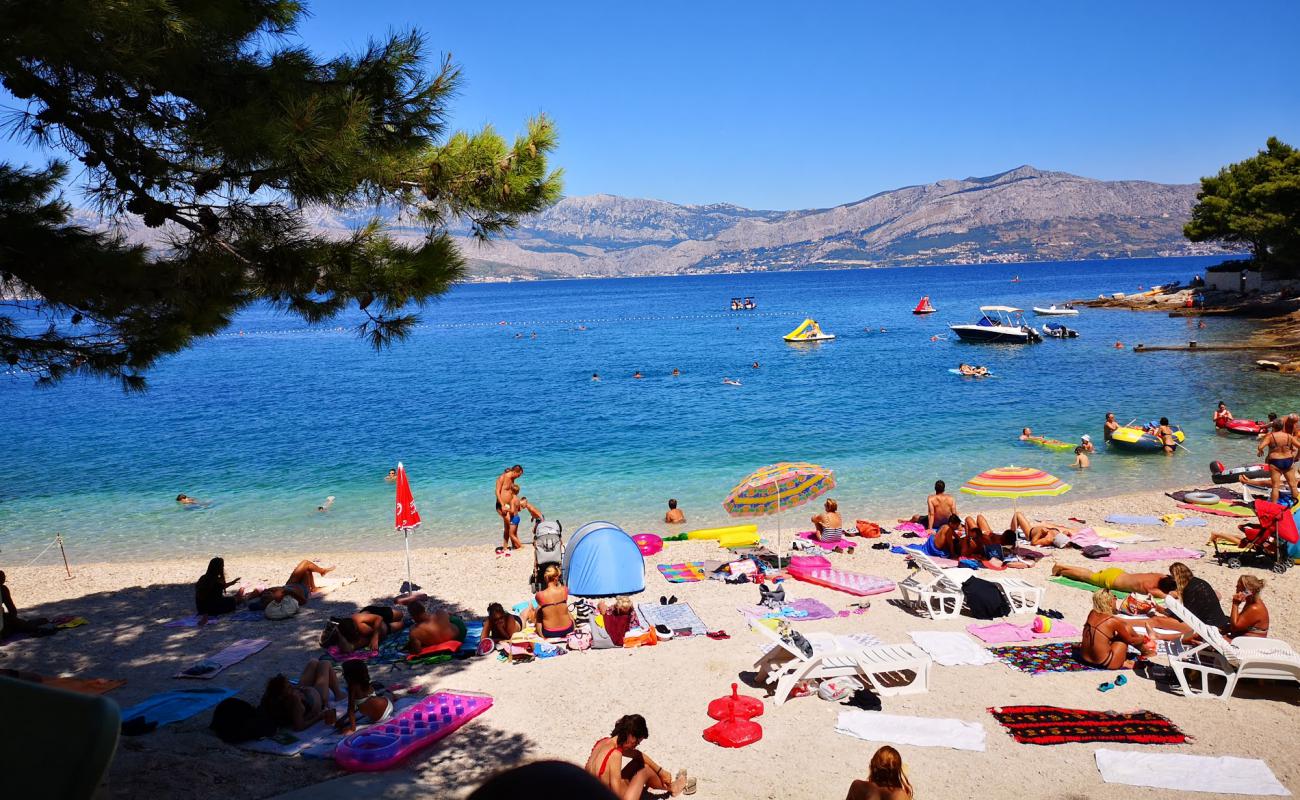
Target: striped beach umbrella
{"x": 777, "y": 487}
{"x": 1014, "y": 483}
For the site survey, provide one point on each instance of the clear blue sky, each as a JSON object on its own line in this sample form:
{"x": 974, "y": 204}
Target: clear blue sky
{"x": 789, "y": 105}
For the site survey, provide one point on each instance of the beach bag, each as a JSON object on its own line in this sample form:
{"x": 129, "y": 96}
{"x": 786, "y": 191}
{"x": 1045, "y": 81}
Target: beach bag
{"x": 867, "y": 529}
{"x": 1137, "y": 604}
{"x": 281, "y": 609}
{"x": 984, "y": 599}
{"x": 837, "y": 690}
{"x": 235, "y": 721}
{"x": 579, "y": 640}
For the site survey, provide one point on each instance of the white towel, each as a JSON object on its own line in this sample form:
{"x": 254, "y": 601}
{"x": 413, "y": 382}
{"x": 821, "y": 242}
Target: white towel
{"x": 919, "y": 731}
{"x": 1223, "y": 774}
{"x": 952, "y": 649}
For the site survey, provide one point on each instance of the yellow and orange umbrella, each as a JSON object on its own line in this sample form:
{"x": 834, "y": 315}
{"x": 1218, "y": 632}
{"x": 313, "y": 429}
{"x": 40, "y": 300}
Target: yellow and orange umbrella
{"x": 1014, "y": 483}
{"x": 777, "y": 487}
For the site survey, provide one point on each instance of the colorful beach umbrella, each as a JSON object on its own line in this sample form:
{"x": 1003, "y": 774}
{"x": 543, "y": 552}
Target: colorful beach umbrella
{"x": 776, "y": 488}
{"x": 406, "y": 517}
{"x": 1014, "y": 483}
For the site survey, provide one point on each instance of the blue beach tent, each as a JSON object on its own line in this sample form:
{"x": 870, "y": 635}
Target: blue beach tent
{"x": 601, "y": 560}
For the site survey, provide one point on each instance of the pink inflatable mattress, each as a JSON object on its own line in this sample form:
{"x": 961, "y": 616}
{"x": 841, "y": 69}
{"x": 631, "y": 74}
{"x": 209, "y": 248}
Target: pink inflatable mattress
{"x": 843, "y": 580}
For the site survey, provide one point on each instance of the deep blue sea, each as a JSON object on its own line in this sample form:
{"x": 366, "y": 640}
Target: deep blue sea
{"x": 269, "y": 419}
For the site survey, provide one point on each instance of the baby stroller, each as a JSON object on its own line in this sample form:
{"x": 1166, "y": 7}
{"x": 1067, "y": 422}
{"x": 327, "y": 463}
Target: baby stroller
{"x": 548, "y": 548}
{"x": 1267, "y": 542}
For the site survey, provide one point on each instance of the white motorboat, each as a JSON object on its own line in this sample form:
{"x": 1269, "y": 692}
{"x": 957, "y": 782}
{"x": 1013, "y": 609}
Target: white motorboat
{"x": 1001, "y": 324}
{"x": 1054, "y": 310}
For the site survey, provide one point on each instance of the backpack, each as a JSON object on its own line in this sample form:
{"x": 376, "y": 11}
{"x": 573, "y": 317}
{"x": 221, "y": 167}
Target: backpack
{"x": 235, "y": 721}
{"x": 984, "y": 599}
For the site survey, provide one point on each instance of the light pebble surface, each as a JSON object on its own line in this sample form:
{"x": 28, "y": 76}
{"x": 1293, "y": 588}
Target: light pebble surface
{"x": 557, "y": 708}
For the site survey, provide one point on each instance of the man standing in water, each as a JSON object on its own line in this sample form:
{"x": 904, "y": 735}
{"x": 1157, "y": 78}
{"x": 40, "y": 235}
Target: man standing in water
{"x": 507, "y": 490}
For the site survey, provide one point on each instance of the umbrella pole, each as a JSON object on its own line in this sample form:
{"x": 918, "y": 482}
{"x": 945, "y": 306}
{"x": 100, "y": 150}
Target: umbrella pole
{"x": 778, "y": 525}
{"x": 406, "y": 534}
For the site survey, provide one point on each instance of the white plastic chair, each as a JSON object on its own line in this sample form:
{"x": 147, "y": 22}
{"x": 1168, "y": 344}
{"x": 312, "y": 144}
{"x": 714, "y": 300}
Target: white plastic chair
{"x": 891, "y": 669}
{"x": 1022, "y": 596}
{"x": 1244, "y": 657}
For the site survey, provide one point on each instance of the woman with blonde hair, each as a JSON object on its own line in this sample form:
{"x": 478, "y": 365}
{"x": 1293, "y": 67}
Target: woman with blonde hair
{"x": 829, "y": 525}
{"x": 887, "y": 780}
{"x": 553, "y": 618}
{"x": 1106, "y": 637}
{"x": 1198, "y": 596}
{"x": 1249, "y": 614}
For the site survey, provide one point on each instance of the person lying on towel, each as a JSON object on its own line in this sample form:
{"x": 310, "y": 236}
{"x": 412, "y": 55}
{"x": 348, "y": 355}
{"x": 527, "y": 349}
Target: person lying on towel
{"x": 1156, "y": 584}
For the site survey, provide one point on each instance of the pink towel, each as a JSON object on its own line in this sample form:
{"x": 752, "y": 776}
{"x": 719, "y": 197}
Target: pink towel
{"x": 1003, "y": 632}
{"x": 1152, "y": 554}
{"x": 1086, "y": 537}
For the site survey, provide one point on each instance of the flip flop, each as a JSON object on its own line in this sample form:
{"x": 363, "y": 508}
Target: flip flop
{"x": 672, "y": 598}
{"x": 663, "y": 599}
{"x": 1106, "y": 687}
{"x": 718, "y": 635}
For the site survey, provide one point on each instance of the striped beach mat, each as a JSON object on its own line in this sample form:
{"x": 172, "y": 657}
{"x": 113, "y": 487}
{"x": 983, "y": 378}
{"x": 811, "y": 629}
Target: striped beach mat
{"x": 1054, "y": 725}
{"x": 687, "y": 572}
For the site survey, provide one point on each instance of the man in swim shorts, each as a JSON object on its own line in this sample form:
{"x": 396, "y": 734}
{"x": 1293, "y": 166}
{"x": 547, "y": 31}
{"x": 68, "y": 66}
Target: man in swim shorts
{"x": 938, "y": 507}
{"x": 1156, "y": 584}
{"x": 437, "y": 628}
{"x": 507, "y": 489}
{"x": 674, "y": 515}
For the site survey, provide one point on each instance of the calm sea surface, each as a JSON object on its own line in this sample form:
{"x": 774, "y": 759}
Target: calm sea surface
{"x": 268, "y": 420}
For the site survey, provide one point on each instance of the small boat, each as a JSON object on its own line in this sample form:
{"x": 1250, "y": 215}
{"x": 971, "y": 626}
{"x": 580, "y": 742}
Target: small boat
{"x": 1245, "y": 427}
{"x": 1054, "y": 310}
{"x": 1058, "y": 331}
{"x": 809, "y": 331}
{"x": 1137, "y": 440}
{"x": 1001, "y": 324}
{"x": 749, "y": 304}
{"x": 924, "y": 306}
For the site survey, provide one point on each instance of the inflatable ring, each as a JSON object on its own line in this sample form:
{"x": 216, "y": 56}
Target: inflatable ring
{"x": 1203, "y": 498}
{"x": 648, "y": 543}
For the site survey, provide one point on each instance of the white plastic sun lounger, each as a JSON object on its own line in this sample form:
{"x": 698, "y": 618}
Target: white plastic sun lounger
{"x": 934, "y": 593}
{"x": 1021, "y": 595}
{"x": 1244, "y": 657}
{"x": 890, "y": 669}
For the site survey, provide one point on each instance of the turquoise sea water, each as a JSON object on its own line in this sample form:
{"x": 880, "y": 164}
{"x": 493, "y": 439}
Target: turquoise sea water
{"x": 267, "y": 423}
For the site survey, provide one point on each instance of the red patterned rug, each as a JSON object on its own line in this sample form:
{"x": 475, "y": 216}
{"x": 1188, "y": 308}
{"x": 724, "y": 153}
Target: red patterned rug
{"x": 1053, "y": 725}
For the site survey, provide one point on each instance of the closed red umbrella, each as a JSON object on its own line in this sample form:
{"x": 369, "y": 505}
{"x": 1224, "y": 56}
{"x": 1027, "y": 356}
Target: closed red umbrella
{"x": 407, "y": 517}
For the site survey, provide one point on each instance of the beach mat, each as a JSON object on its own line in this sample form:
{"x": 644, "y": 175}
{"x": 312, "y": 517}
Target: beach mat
{"x": 676, "y": 617}
{"x": 1220, "y": 774}
{"x": 1039, "y": 659}
{"x": 1152, "y": 554}
{"x": 193, "y": 620}
{"x": 176, "y": 705}
{"x": 805, "y": 608}
{"x": 1087, "y": 587}
{"x": 217, "y": 663}
{"x": 1008, "y": 632}
{"x": 855, "y": 583}
{"x": 1148, "y": 519}
{"x": 874, "y": 726}
{"x": 85, "y": 685}
{"x": 687, "y": 572}
{"x": 317, "y": 740}
{"x": 951, "y": 648}
{"x": 1219, "y": 509}
{"x": 1045, "y": 725}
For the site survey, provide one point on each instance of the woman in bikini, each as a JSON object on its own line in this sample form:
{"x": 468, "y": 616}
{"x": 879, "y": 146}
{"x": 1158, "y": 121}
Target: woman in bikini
{"x": 1106, "y": 637}
{"x": 300, "y": 585}
{"x": 1166, "y": 436}
{"x": 641, "y": 773}
{"x": 500, "y": 626}
{"x": 1044, "y": 534}
{"x": 1283, "y": 448}
{"x": 364, "y": 700}
{"x": 1249, "y": 614}
{"x": 553, "y": 618}
{"x": 298, "y": 707}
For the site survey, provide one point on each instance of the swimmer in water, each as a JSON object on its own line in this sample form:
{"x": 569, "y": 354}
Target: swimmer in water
{"x": 595, "y": 377}
{"x": 637, "y": 375}
{"x": 186, "y": 500}
{"x": 1119, "y": 345}
{"x": 754, "y": 365}
{"x": 327, "y": 505}
{"x": 391, "y": 477}
{"x": 730, "y": 382}
{"x": 676, "y": 372}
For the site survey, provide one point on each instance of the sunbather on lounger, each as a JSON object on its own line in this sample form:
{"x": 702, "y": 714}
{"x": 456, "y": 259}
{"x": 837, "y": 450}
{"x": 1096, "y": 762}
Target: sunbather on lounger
{"x": 1155, "y": 584}
{"x": 1106, "y": 637}
{"x": 641, "y": 772}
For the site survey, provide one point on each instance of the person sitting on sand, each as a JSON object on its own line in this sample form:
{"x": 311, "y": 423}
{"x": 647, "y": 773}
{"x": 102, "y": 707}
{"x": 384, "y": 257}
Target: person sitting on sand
{"x": 299, "y": 707}
{"x": 1080, "y": 458}
{"x": 996, "y": 550}
{"x": 1109, "y": 427}
{"x": 641, "y": 772}
{"x": 300, "y": 585}
{"x": 435, "y": 627}
{"x": 1222, "y": 413}
{"x": 500, "y": 625}
{"x": 830, "y": 528}
{"x": 553, "y": 618}
{"x": 886, "y": 779}
{"x": 1249, "y": 614}
{"x": 373, "y": 705}
{"x": 12, "y": 623}
{"x": 674, "y": 516}
{"x": 1155, "y": 584}
{"x": 953, "y": 540}
{"x": 938, "y": 508}
{"x": 210, "y": 598}
{"x": 1106, "y": 637}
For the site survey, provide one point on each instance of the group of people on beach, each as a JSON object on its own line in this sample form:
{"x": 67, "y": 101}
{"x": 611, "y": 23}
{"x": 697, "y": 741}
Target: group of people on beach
{"x": 510, "y": 502}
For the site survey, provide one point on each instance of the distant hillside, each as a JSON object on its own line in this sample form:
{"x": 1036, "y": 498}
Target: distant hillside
{"x": 1024, "y": 214}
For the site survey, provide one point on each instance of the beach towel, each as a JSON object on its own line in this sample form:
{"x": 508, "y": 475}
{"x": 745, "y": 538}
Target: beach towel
{"x": 328, "y": 583}
{"x": 1005, "y": 632}
{"x": 1122, "y": 537}
{"x": 676, "y": 617}
{"x": 874, "y": 726}
{"x": 1153, "y": 554}
{"x": 192, "y": 621}
{"x": 801, "y": 609}
{"x": 1087, "y": 587}
{"x": 176, "y": 705}
{"x": 908, "y": 549}
{"x": 855, "y": 583}
{"x": 1218, "y": 509}
{"x": 844, "y": 545}
{"x": 216, "y": 663}
{"x": 1087, "y": 537}
{"x": 1054, "y": 725}
{"x": 1221, "y": 774}
{"x": 1037, "y": 659}
{"x": 951, "y": 648}
{"x": 688, "y": 572}
{"x": 910, "y": 527}
{"x": 1147, "y": 519}
{"x": 85, "y": 685}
